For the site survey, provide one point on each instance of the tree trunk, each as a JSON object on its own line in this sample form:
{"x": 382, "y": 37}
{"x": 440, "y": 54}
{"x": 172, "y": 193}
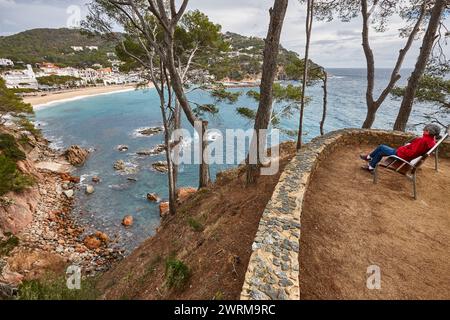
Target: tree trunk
{"x": 370, "y": 62}
{"x": 425, "y": 51}
{"x": 204, "y": 167}
{"x": 170, "y": 172}
{"x": 372, "y": 104}
{"x": 324, "y": 113}
{"x": 269, "y": 72}
{"x": 171, "y": 178}
{"x": 370, "y": 116}
{"x": 309, "y": 20}
{"x": 177, "y": 85}
{"x": 176, "y": 126}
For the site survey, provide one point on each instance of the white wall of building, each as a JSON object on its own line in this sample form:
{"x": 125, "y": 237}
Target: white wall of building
{"x": 21, "y": 79}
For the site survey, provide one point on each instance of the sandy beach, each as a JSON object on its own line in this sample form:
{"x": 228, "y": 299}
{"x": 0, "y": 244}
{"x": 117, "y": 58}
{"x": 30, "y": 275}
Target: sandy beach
{"x": 46, "y": 99}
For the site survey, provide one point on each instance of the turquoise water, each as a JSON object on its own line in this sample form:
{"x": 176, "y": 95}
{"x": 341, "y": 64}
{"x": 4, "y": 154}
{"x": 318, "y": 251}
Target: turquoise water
{"x": 103, "y": 122}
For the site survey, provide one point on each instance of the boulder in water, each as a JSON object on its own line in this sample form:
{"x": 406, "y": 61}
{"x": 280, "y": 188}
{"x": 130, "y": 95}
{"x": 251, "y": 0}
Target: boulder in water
{"x": 158, "y": 149}
{"x": 89, "y": 189}
{"x": 153, "y": 197}
{"x": 160, "y": 166}
{"x": 96, "y": 179}
{"x": 69, "y": 194}
{"x": 125, "y": 168}
{"x": 145, "y": 152}
{"x": 150, "y": 131}
{"x": 127, "y": 221}
{"x": 119, "y": 165}
{"x": 76, "y": 155}
{"x": 122, "y": 148}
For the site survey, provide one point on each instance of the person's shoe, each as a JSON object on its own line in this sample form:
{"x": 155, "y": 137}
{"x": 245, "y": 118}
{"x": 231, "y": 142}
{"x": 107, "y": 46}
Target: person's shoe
{"x": 367, "y": 168}
{"x": 364, "y": 157}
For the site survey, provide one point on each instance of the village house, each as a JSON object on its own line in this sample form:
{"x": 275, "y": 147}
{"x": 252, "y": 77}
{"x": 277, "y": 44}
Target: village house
{"x": 21, "y": 79}
{"x": 6, "y": 63}
{"x": 47, "y": 69}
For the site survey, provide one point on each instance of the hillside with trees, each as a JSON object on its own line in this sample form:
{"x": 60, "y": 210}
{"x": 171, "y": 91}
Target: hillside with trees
{"x": 54, "y": 45}
{"x": 242, "y": 59}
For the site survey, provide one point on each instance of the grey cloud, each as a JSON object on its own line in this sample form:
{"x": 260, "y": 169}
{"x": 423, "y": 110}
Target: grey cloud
{"x": 249, "y": 17}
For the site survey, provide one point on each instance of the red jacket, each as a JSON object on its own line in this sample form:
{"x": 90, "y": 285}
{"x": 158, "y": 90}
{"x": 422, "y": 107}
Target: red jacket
{"x": 416, "y": 148}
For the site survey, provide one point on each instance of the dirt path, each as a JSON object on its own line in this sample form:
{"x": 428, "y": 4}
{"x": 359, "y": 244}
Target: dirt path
{"x": 348, "y": 224}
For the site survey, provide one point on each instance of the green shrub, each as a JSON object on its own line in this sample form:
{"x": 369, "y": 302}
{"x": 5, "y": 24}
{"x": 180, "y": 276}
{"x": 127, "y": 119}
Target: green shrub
{"x": 9, "y": 148}
{"x": 9, "y": 102}
{"x": 54, "y": 287}
{"x": 9, "y": 244}
{"x": 177, "y": 273}
{"x": 29, "y": 126}
{"x": 10, "y": 178}
{"x": 195, "y": 225}
{"x": 23, "y": 140}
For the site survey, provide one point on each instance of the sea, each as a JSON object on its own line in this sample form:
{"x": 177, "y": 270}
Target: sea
{"x": 101, "y": 123}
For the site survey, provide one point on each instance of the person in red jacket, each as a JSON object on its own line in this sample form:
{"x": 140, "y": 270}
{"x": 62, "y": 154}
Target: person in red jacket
{"x": 408, "y": 152}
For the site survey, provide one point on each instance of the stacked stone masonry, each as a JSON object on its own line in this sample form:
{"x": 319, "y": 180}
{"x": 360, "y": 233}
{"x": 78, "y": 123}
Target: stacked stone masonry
{"x": 273, "y": 270}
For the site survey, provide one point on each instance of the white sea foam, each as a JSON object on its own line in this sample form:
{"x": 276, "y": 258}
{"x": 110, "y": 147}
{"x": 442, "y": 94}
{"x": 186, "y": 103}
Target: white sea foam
{"x": 86, "y": 176}
{"x": 56, "y": 143}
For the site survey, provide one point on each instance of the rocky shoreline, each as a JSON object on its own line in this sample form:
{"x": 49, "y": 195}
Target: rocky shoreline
{"x": 52, "y": 241}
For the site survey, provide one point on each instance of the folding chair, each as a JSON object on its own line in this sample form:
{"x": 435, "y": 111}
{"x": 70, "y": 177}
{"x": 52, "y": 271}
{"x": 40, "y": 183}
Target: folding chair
{"x": 409, "y": 169}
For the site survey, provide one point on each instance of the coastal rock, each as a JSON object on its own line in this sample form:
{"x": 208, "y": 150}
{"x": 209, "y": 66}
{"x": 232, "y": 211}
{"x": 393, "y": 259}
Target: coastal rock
{"x": 160, "y": 166}
{"x": 67, "y": 177}
{"x": 68, "y": 193}
{"x": 92, "y": 242}
{"x": 103, "y": 237}
{"x": 184, "y": 193}
{"x": 150, "y": 131}
{"x": 153, "y": 197}
{"x": 76, "y": 155}
{"x": 127, "y": 221}
{"x": 90, "y": 189}
{"x": 122, "y": 148}
{"x": 125, "y": 168}
{"x": 158, "y": 149}
{"x": 163, "y": 209}
{"x": 19, "y": 213}
{"x": 145, "y": 152}
{"x": 96, "y": 179}
{"x": 54, "y": 166}
{"x": 119, "y": 165}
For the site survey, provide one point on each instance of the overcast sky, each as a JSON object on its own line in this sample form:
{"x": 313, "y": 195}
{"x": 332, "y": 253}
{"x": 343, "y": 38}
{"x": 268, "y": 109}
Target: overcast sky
{"x": 334, "y": 44}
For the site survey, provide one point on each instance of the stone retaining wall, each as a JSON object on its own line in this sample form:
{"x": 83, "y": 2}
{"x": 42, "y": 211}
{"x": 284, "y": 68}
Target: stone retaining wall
{"x": 273, "y": 270}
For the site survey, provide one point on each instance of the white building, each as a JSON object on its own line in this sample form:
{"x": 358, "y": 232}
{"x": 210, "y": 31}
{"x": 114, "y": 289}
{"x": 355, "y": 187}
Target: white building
{"x": 21, "y": 79}
{"x": 88, "y": 75}
{"x": 6, "y": 63}
{"x": 76, "y": 48}
{"x": 48, "y": 69}
{"x": 91, "y": 48}
{"x": 69, "y": 71}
